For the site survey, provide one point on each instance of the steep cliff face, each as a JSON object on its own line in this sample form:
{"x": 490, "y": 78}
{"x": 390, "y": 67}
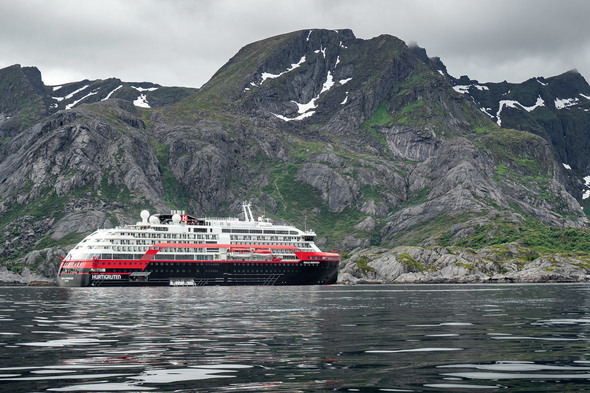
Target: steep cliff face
{"x": 75, "y": 149}
{"x": 75, "y": 172}
{"x": 555, "y": 108}
{"x": 22, "y": 99}
{"x": 363, "y": 140}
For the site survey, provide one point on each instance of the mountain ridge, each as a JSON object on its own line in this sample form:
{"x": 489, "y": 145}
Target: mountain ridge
{"x": 556, "y": 108}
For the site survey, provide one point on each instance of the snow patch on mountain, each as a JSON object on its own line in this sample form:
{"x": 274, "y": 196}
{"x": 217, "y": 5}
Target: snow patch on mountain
{"x": 71, "y": 105}
{"x": 111, "y": 93}
{"x": 142, "y": 89}
{"x": 464, "y": 89}
{"x": 306, "y": 110}
{"x": 485, "y": 110}
{"x": 515, "y": 104}
{"x": 303, "y": 108}
{"x": 502, "y": 104}
{"x": 328, "y": 83}
{"x": 322, "y": 50}
{"x": 267, "y": 75}
{"x": 566, "y": 166}
{"x": 586, "y": 193}
{"x": 562, "y": 103}
{"x": 539, "y": 103}
{"x": 345, "y": 99}
{"x": 71, "y": 94}
{"x": 141, "y": 101}
{"x": 300, "y": 117}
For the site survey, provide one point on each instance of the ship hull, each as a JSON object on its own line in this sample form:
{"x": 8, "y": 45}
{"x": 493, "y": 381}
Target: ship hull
{"x": 73, "y": 280}
{"x": 194, "y": 273}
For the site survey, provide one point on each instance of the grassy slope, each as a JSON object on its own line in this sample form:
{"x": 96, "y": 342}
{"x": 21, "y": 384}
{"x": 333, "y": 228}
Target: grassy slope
{"x": 411, "y": 103}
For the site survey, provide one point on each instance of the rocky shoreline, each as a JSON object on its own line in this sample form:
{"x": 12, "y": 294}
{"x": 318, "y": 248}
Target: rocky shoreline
{"x": 509, "y": 263}
{"x": 26, "y": 277}
{"x": 506, "y": 263}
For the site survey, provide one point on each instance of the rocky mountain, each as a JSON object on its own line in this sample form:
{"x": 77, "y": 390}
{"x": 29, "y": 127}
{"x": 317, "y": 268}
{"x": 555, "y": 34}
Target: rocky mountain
{"x": 370, "y": 142}
{"x": 555, "y": 108}
{"x": 25, "y": 100}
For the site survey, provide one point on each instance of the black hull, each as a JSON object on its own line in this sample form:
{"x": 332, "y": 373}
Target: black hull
{"x": 325, "y": 273}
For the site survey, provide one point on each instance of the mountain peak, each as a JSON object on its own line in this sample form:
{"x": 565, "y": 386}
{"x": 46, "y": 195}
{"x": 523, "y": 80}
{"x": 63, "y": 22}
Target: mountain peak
{"x": 22, "y": 99}
{"x": 18, "y": 84}
{"x": 307, "y": 74}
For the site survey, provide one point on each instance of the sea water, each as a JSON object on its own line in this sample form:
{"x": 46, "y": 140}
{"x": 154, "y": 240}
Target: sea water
{"x": 373, "y": 338}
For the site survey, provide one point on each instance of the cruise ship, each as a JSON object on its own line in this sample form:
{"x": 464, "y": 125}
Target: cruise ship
{"x": 180, "y": 250}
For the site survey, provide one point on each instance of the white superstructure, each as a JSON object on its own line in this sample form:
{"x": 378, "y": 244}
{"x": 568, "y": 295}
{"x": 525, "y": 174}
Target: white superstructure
{"x": 131, "y": 242}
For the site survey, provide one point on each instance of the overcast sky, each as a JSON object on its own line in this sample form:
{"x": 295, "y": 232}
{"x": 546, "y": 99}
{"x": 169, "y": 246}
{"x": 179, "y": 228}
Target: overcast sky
{"x": 183, "y": 42}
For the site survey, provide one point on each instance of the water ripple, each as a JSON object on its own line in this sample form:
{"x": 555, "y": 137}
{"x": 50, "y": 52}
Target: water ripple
{"x": 410, "y": 338}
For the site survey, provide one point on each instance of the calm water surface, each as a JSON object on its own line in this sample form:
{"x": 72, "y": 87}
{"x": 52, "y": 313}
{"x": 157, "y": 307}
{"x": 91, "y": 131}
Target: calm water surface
{"x": 404, "y": 338}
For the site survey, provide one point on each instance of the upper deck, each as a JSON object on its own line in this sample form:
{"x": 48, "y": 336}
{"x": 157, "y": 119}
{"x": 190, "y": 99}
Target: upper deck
{"x": 132, "y": 241}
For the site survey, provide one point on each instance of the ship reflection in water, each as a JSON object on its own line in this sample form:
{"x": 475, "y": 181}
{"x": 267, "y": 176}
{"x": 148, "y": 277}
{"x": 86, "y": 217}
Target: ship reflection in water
{"x": 416, "y": 338}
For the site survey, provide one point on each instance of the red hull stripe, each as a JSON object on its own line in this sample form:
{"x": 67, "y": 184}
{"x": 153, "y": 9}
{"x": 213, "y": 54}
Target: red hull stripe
{"x": 153, "y": 250}
{"x": 156, "y": 248}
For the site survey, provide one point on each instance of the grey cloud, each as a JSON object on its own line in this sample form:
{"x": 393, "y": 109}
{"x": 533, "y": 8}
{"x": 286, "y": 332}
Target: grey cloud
{"x": 182, "y": 42}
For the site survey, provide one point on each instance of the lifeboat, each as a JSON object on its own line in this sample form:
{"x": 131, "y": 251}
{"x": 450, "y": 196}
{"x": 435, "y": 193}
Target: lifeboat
{"x": 240, "y": 252}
